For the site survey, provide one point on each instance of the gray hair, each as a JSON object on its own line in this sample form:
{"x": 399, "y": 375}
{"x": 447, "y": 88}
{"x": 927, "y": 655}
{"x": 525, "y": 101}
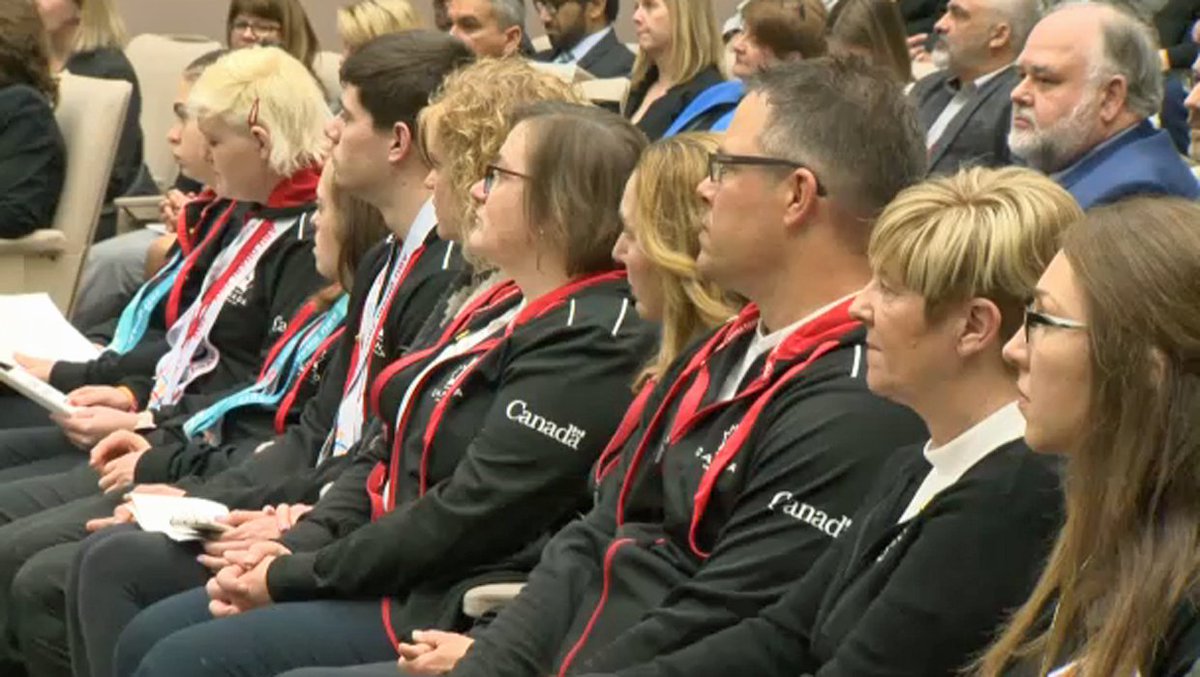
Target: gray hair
{"x": 509, "y": 13}
{"x": 1129, "y": 49}
{"x": 1021, "y": 16}
{"x": 847, "y": 121}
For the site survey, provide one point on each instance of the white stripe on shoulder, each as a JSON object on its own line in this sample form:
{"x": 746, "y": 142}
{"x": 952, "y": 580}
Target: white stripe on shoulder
{"x": 621, "y": 317}
{"x": 857, "y": 361}
{"x": 571, "y": 314}
{"x": 446, "y": 258}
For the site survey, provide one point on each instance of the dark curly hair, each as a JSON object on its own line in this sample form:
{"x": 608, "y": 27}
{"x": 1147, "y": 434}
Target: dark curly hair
{"x": 24, "y": 58}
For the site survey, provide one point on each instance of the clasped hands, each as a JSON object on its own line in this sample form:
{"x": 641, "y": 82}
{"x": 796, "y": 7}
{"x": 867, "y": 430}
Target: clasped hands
{"x": 242, "y": 555}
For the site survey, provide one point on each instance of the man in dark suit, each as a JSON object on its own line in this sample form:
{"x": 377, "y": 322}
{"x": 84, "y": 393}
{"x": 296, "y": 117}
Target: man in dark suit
{"x": 581, "y": 33}
{"x": 964, "y": 108}
{"x": 1090, "y": 80}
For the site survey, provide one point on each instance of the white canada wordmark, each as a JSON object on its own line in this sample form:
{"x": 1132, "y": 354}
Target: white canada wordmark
{"x": 569, "y": 435}
{"x": 785, "y": 502}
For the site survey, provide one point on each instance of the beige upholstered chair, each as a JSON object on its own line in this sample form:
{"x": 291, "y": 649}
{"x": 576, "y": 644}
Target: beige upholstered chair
{"x": 159, "y": 61}
{"x": 328, "y": 66}
{"x": 541, "y": 44}
{"x": 605, "y": 91}
{"x": 89, "y": 113}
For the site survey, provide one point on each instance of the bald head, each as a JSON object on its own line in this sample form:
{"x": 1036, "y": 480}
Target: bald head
{"x": 1088, "y": 72}
{"x": 977, "y": 37}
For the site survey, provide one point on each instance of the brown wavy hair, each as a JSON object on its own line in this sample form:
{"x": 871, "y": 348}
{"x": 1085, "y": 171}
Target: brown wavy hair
{"x": 24, "y": 53}
{"x": 1128, "y": 556}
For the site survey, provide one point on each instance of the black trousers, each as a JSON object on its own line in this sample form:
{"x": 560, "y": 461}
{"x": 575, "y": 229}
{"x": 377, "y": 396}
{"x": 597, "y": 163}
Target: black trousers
{"x": 38, "y": 514}
{"x": 34, "y": 452}
{"x": 116, "y": 574}
{"x": 18, "y": 411}
{"x": 388, "y": 669}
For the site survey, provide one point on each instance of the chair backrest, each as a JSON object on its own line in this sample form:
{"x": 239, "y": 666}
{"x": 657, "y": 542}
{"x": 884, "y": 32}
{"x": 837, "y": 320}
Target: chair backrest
{"x": 328, "y": 67}
{"x": 159, "y": 61}
{"x": 541, "y": 44}
{"x": 90, "y": 113}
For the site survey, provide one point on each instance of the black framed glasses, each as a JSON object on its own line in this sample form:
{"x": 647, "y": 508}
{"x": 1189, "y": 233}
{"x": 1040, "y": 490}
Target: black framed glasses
{"x": 719, "y": 162}
{"x": 492, "y": 174}
{"x": 1036, "y": 318}
{"x": 549, "y": 7}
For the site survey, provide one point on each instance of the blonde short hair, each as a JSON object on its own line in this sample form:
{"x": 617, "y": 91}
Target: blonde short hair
{"x": 986, "y": 233}
{"x": 267, "y": 87}
{"x": 366, "y": 20}
{"x": 696, "y": 42}
{"x": 100, "y": 27}
{"x": 472, "y": 115}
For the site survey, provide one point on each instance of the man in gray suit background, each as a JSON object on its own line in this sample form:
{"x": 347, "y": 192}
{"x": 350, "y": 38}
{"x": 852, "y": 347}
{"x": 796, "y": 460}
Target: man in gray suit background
{"x": 965, "y": 108}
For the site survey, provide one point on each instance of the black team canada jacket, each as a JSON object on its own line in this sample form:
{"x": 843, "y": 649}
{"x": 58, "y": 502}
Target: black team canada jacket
{"x": 203, "y": 229}
{"x": 291, "y": 469}
{"x": 255, "y": 314}
{"x": 712, "y": 509}
{"x": 491, "y": 456}
{"x": 920, "y": 598}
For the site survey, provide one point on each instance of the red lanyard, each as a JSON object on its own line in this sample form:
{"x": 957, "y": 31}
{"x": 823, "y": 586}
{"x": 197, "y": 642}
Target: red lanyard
{"x": 539, "y": 308}
{"x": 815, "y": 338}
{"x": 612, "y": 452}
{"x": 265, "y": 230}
{"x": 289, "y": 400}
{"x": 298, "y": 321}
{"x": 176, "y": 296}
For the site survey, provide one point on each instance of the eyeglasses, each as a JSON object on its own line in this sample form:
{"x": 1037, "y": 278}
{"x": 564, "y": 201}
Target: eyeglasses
{"x": 492, "y": 174}
{"x": 256, "y": 28}
{"x": 719, "y": 162}
{"x": 549, "y": 7}
{"x": 1034, "y": 318}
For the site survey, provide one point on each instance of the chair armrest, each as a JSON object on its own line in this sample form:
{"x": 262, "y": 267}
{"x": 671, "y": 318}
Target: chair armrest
{"x": 484, "y": 598}
{"x": 134, "y": 211}
{"x": 608, "y": 90}
{"x": 43, "y": 242}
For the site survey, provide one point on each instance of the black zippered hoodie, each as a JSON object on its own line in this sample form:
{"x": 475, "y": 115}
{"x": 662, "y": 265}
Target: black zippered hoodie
{"x": 210, "y": 220}
{"x": 286, "y": 471}
{"x": 651, "y": 569}
{"x": 506, "y": 465}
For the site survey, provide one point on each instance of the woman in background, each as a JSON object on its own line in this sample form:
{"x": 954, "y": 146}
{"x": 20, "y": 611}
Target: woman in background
{"x": 32, "y": 153}
{"x": 366, "y": 20}
{"x": 278, "y": 22}
{"x": 679, "y": 56}
{"x": 89, "y": 39}
{"x": 873, "y": 29}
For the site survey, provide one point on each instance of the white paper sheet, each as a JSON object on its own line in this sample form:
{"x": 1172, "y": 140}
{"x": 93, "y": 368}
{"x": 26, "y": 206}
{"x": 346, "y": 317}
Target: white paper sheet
{"x": 32, "y": 324}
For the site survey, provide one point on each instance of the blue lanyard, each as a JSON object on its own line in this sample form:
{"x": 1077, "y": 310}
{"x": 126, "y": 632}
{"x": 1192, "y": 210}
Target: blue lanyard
{"x": 269, "y": 389}
{"x": 135, "y": 318}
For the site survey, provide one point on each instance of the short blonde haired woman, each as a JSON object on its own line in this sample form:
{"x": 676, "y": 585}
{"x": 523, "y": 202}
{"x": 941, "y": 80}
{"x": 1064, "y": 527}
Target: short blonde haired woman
{"x": 366, "y": 20}
{"x": 680, "y": 53}
{"x": 953, "y": 533}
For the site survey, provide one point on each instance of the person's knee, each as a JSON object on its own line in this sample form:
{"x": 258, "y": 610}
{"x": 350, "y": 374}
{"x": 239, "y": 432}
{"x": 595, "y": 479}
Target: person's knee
{"x": 39, "y": 597}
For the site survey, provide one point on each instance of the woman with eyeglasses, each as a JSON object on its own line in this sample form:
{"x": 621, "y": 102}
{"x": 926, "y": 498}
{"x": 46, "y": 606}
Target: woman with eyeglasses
{"x": 277, "y": 22}
{"x": 1109, "y": 375}
{"x": 952, "y": 535}
{"x": 491, "y": 433}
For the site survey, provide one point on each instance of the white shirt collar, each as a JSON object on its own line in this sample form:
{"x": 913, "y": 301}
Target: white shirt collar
{"x": 958, "y": 455}
{"x": 765, "y": 342}
{"x": 980, "y": 81}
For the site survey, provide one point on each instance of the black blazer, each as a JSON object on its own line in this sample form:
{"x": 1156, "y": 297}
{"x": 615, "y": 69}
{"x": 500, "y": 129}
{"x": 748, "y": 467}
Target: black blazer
{"x": 920, "y": 15}
{"x": 978, "y": 135}
{"x": 33, "y": 161}
{"x": 1174, "y": 25}
{"x": 662, "y": 113}
{"x": 609, "y": 58}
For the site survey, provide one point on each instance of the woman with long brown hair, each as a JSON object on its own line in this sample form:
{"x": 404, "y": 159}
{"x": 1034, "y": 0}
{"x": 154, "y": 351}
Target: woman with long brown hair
{"x": 1109, "y": 373}
{"x": 32, "y": 153}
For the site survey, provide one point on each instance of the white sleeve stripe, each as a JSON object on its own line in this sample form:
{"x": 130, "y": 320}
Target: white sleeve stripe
{"x": 857, "y": 361}
{"x": 571, "y": 315}
{"x": 621, "y": 317}
{"x": 446, "y": 258}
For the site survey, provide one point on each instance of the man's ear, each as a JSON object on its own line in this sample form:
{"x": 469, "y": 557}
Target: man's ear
{"x": 801, "y": 196}
{"x": 981, "y": 327}
{"x": 1114, "y": 94}
{"x": 401, "y": 143}
{"x": 1001, "y": 36}
{"x": 263, "y": 136}
{"x": 512, "y": 40}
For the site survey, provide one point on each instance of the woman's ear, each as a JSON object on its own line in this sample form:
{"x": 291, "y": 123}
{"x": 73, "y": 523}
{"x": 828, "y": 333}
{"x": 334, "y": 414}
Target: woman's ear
{"x": 263, "y": 136}
{"x": 980, "y": 327}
